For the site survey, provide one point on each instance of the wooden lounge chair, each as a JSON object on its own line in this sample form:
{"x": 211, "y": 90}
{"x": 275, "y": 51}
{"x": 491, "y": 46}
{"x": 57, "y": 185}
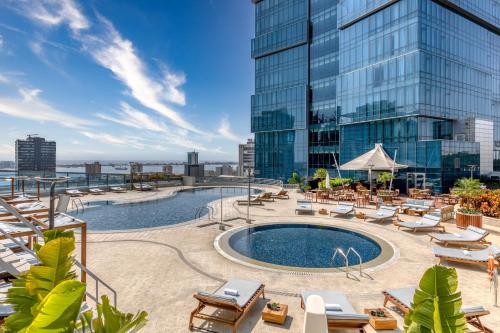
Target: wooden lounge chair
{"x": 343, "y": 209}
{"x": 427, "y": 222}
{"x": 142, "y": 187}
{"x": 75, "y": 193}
{"x": 403, "y": 297}
{"x": 96, "y": 191}
{"x": 384, "y": 213}
{"x": 254, "y": 201}
{"x": 283, "y": 194}
{"x": 471, "y": 236}
{"x": 304, "y": 206}
{"x": 238, "y": 306}
{"x": 476, "y": 257}
{"x": 343, "y": 318}
{"x": 117, "y": 189}
{"x": 266, "y": 196}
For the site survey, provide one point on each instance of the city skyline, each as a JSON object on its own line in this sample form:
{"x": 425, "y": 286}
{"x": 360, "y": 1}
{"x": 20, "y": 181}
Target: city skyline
{"x": 151, "y": 96}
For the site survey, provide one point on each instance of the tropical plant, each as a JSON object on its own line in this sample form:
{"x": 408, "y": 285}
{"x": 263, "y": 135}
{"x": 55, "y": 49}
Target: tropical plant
{"x": 470, "y": 211}
{"x": 335, "y": 182}
{"x": 296, "y": 179}
{"x": 467, "y": 186}
{"x": 320, "y": 173}
{"x": 110, "y": 320}
{"x": 436, "y": 304}
{"x": 385, "y": 177}
{"x": 47, "y": 299}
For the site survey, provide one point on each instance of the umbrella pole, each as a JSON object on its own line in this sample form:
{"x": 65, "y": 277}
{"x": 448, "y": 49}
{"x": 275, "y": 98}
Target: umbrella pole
{"x": 370, "y": 178}
{"x": 337, "y": 165}
{"x": 393, "y": 167}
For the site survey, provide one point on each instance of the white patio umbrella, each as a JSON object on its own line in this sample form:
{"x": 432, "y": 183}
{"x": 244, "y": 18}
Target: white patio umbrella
{"x": 327, "y": 180}
{"x": 374, "y": 160}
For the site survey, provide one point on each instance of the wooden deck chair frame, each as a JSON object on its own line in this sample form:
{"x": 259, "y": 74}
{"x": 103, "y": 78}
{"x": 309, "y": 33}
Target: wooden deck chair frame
{"x": 473, "y": 318}
{"x": 341, "y": 324}
{"x": 238, "y": 311}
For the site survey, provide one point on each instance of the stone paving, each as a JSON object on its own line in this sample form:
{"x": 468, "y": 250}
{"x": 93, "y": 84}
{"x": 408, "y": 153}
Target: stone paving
{"x": 159, "y": 270}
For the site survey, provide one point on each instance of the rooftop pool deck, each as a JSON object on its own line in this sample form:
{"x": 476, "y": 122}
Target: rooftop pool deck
{"x": 159, "y": 269}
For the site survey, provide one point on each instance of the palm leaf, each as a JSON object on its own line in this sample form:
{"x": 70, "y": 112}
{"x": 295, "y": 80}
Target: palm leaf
{"x": 59, "y": 310}
{"x": 436, "y": 304}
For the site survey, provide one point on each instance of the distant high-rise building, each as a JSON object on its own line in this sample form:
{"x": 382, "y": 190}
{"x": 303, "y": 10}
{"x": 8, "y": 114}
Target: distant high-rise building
{"x": 246, "y": 161}
{"x": 7, "y": 165}
{"x": 194, "y": 170}
{"x": 224, "y": 170}
{"x": 168, "y": 169}
{"x": 35, "y": 155}
{"x": 192, "y": 157}
{"x": 93, "y": 168}
{"x": 136, "y": 167}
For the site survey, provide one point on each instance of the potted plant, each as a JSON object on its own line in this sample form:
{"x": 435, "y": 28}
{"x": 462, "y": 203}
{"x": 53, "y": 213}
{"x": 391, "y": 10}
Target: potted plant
{"x": 296, "y": 179}
{"x": 384, "y": 178}
{"x": 468, "y": 216}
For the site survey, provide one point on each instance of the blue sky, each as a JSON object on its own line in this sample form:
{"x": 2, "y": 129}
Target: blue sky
{"x": 119, "y": 79}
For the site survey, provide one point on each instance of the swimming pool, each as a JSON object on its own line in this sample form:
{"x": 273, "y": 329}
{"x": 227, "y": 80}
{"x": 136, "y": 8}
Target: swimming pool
{"x": 306, "y": 247}
{"x": 163, "y": 212}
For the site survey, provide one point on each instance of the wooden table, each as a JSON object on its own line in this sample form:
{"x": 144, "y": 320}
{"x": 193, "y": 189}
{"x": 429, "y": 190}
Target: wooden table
{"x": 276, "y": 317}
{"x": 382, "y": 323}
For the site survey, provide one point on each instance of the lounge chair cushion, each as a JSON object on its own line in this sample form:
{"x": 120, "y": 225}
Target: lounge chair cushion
{"x": 472, "y": 309}
{"x": 332, "y": 297}
{"x": 476, "y": 255}
{"x": 477, "y": 230}
{"x": 223, "y": 298}
{"x": 471, "y": 234}
{"x": 246, "y": 289}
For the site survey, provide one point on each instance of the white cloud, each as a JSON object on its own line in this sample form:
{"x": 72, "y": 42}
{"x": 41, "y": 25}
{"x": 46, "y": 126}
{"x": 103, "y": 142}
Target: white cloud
{"x": 131, "y": 117}
{"x": 4, "y": 79}
{"x": 1, "y": 41}
{"x": 56, "y": 12}
{"x": 118, "y": 54}
{"x": 226, "y": 132}
{"x": 30, "y": 106}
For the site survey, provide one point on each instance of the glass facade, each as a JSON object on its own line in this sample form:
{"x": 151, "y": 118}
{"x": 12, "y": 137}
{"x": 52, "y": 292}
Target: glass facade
{"x": 415, "y": 75}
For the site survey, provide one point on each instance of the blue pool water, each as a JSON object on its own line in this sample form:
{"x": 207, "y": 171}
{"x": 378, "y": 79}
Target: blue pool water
{"x": 162, "y": 212}
{"x": 302, "y": 245}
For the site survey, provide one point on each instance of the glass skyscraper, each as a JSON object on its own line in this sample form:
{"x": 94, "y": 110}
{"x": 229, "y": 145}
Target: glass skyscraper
{"x": 334, "y": 77}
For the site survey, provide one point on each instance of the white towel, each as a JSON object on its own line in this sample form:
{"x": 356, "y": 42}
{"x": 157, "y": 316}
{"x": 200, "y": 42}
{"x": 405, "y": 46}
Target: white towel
{"x": 418, "y": 222}
{"x": 231, "y": 292}
{"x": 467, "y": 253}
{"x": 333, "y": 307}
{"x": 457, "y": 235}
{"x": 380, "y": 214}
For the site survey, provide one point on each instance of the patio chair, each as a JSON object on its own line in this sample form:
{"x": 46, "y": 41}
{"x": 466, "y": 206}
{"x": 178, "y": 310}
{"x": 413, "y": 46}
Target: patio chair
{"x": 315, "y": 317}
{"x": 235, "y": 296}
{"x": 117, "y": 189}
{"x": 31, "y": 208}
{"x": 471, "y": 236}
{"x": 266, "y": 196}
{"x": 304, "y": 206}
{"x": 476, "y": 257}
{"x": 384, "y": 213}
{"x": 427, "y": 222}
{"x": 96, "y": 191}
{"x": 283, "y": 194}
{"x": 62, "y": 203}
{"x": 343, "y": 209}
{"x": 74, "y": 193}
{"x": 339, "y": 312}
{"x": 254, "y": 201}
{"x": 403, "y": 297}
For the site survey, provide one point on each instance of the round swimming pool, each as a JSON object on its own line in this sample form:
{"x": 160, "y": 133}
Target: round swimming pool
{"x": 307, "y": 247}
{"x": 156, "y": 213}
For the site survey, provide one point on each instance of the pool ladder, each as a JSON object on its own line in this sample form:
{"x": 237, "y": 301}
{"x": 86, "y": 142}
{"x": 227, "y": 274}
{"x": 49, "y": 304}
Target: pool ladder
{"x": 199, "y": 212}
{"x": 345, "y": 256}
{"x": 77, "y": 203}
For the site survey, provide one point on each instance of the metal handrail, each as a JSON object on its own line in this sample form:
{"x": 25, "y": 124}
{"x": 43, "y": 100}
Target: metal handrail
{"x": 343, "y": 255}
{"x": 38, "y": 232}
{"x": 74, "y": 203}
{"x": 351, "y": 249}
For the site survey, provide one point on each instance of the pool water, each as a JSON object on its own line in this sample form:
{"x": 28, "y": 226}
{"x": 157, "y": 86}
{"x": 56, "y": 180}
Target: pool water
{"x": 163, "y": 212}
{"x": 302, "y": 245}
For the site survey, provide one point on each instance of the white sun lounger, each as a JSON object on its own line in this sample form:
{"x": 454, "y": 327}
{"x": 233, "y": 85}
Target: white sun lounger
{"x": 384, "y": 213}
{"x": 425, "y": 223}
{"x": 74, "y": 193}
{"x": 96, "y": 191}
{"x": 471, "y": 235}
{"x": 142, "y": 187}
{"x": 403, "y": 297}
{"x": 476, "y": 257}
{"x": 304, "y": 206}
{"x": 343, "y": 209}
{"x": 117, "y": 189}
{"x": 345, "y": 316}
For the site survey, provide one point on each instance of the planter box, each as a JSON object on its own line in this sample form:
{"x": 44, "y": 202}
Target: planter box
{"x": 465, "y": 220}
